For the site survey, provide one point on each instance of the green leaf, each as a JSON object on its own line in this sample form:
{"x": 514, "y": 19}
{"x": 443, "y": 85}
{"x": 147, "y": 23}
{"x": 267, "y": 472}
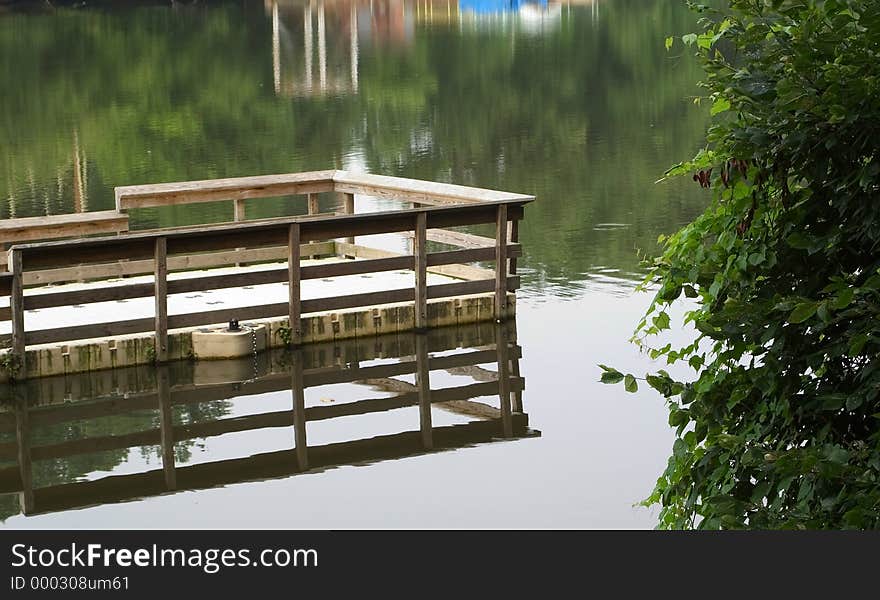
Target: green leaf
{"x": 802, "y": 312}
{"x": 719, "y": 106}
{"x": 857, "y": 344}
{"x": 629, "y": 383}
{"x": 610, "y": 375}
{"x": 844, "y": 298}
{"x": 661, "y": 321}
{"x": 669, "y": 42}
{"x": 799, "y": 240}
{"x": 689, "y": 39}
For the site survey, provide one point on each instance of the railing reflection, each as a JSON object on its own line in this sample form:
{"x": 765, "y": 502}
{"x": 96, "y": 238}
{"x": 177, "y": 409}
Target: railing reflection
{"x": 108, "y": 402}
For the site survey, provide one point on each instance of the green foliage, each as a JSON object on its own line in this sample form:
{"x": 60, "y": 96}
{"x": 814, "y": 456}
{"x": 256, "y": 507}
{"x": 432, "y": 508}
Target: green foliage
{"x": 780, "y": 427}
{"x": 150, "y": 354}
{"x": 284, "y": 333}
{"x": 10, "y": 363}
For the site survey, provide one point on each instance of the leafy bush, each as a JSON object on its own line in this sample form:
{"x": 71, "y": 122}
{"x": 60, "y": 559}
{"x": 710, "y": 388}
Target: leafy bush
{"x": 780, "y": 428}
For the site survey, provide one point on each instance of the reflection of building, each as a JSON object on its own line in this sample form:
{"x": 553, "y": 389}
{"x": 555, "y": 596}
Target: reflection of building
{"x": 315, "y": 43}
{"x": 455, "y": 401}
{"x": 320, "y": 70}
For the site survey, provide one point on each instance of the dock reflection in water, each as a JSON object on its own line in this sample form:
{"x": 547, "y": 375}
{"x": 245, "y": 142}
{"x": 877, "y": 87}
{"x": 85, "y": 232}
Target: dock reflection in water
{"x": 72, "y": 442}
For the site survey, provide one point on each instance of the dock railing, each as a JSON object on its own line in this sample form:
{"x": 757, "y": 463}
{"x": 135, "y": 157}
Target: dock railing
{"x": 435, "y": 208}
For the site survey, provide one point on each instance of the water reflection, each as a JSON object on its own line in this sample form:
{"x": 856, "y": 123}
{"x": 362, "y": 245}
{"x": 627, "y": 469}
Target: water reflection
{"x": 112, "y": 436}
{"x": 315, "y": 44}
{"x": 585, "y": 114}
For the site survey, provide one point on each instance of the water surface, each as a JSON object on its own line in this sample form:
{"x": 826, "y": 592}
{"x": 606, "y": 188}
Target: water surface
{"x": 578, "y": 104}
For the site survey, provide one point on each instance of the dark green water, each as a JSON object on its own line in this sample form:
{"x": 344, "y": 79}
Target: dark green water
{"x": 578, "y": 105}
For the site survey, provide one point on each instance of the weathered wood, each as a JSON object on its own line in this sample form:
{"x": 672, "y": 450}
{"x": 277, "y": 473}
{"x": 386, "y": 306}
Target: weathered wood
{"x": 501, "y": 264}
{"x": 294, "y": 288}
{"x": 161, "y": 297}
{"x": 445, "y": 290}
{"x": 6, "y": 283}
{"x": 458, "y": 238}
{"x": 250, "y": 234}
{"x": 24, "y": 229}
{"x": 238, "y": 188}
{"x": 104, "y": 294}
{"x": 413, "y": 190}
{"x": 436, "y": 260}
{"x": 313, "y": 208}
{"x": 423, "y": 382}
{"x": 239, "y": 210}
{"x": 16, "y": 305}
{"x": 348, "y": 209}
{"x": 420, "y": 256}
{"x": 175, "y": 263}
{"x": 97, "y": 330}
{"x": 513, "y": 241}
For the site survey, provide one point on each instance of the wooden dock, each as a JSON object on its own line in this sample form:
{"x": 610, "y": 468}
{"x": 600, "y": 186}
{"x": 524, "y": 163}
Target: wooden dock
{"x": 428, "y": 211}
{"x": 379, "y": 364}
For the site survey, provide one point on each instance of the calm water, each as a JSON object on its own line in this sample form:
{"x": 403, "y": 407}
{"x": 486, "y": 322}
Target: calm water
{"x": 577, "y": 104}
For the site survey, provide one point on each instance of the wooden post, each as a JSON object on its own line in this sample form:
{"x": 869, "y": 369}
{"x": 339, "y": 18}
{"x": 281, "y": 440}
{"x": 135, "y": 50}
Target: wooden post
{"x": 504, "y": 379}
{"x": 313, "y": 209}
{"x": 501, "y": 264}
{"x": 166, "y": 427}
{"x": 348, "y": 208}
{"x": 161, "y": 294}
{"x": 294, "y": 287}
{"x": 238, "y": 214}
{"x": 299, "y": 412}
{"x": 420, "y": 255}
{"x": 23, "y": 443}
{"x": 423, "y": 381}
{"x": 16, "y": 304}
{"x": 513, "y": 238}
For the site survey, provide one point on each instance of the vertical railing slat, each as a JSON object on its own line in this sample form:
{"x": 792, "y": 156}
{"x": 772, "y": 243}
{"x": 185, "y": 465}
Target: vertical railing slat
{"x": 420, "y": 255}
{"x": 513, "y": 238}
{"x": 294, "y": 285}
{"x": 238, "y": 210}
{"x": 313, "y": 204}
{"x": 501, "y": 263}
{"x": 313, "y": 208}
{"x": 348, "y": 208}
{"x": 16, "y": 305}
{"x": 161, "y": 295}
